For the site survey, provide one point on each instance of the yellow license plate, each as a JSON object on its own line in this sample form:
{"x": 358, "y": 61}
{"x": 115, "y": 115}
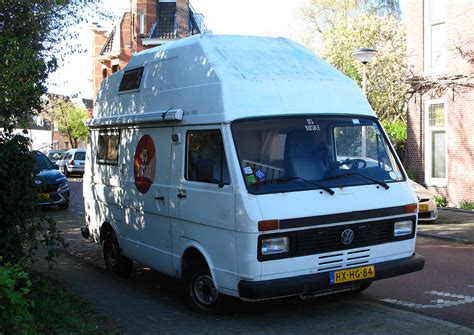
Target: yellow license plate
{"x": 44, "y": 197}
{"x": 424, "y": 207}
{"x": 342, "y": 276}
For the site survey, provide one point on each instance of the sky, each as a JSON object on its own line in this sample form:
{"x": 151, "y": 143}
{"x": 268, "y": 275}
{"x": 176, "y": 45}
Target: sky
{"x": 277, "y": 18}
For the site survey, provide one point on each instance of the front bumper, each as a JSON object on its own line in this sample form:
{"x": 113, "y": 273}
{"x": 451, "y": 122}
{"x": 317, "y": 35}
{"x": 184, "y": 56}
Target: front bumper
{"x": 427, "y": 215}
{"x": 76, "y": 169}
{"x": 56, "y": 198}
{"x": 314, "y": 283}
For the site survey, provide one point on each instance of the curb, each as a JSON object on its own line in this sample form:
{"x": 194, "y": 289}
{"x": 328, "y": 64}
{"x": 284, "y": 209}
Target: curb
{"x": 449, "y": 209}
{"x": 445, "y": 238}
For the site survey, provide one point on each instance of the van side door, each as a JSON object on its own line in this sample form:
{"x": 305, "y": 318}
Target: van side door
{"x": 145, "y": 180}
{"x": 202, "y": 196}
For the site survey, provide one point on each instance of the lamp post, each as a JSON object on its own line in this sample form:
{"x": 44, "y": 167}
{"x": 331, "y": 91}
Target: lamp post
{"x": 364, "y": 55}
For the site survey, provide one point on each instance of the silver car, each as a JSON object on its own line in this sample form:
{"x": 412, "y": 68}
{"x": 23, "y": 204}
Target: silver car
{"x": 427, "y": 210}
{"x": 55, "y": 155}
{"x": 72, "y": 162}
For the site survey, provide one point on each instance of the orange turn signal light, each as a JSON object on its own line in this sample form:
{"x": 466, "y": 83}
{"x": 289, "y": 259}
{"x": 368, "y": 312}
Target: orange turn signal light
{"x": 411, "y": 208}
{"x": 268, "y": 225}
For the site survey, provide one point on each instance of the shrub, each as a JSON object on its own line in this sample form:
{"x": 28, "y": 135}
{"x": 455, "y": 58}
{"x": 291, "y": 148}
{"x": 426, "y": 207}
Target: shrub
{"x": 440, "y": 201}
{"x": 397, "y": 132}
{"x": 23, "y": 226}
{"x": 466, "y": 205}
{"x": 15, "y": 305}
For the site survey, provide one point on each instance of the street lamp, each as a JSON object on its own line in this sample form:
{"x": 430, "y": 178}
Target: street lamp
{"x": 364, "y": 55}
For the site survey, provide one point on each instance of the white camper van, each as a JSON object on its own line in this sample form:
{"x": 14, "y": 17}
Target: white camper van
{"x": 248, "y": 167}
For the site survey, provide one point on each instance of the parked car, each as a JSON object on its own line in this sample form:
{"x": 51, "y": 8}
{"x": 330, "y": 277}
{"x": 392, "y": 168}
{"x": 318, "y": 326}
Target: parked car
{"x": 52, "y": 184}
{"x": 72, "y": 162}
{"x": 55, "y": 155}
{"x": 428, "y": 212}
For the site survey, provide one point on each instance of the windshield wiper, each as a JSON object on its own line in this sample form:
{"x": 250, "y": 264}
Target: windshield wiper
{"x": 279, "y": 180}
{"x": 348, "y": 174}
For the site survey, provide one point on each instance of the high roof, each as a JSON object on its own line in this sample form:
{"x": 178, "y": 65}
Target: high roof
{"x": 223, "y": 78}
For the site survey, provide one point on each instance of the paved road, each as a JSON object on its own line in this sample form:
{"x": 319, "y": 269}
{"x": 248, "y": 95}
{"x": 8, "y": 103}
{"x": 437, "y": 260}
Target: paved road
{"x": 444, "y": 290}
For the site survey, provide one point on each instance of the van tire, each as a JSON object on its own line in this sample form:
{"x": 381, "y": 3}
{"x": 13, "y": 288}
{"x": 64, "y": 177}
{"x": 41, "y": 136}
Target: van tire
{"x": 114, "y": 260}
{"x": 64, "y": 206}
{"x": 201, "y": 294}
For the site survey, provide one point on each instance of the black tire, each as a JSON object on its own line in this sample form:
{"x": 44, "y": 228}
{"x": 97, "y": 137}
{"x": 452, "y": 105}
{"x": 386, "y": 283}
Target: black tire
{"x": 201, "y": 294}
{"x": 64, "y": 206}
{"x": 114, "y": 260}
{"x": 66, "y": 171}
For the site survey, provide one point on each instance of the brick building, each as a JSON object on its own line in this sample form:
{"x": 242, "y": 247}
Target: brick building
{"x": 147, "y": 24}
{"x": 440, "y": 48}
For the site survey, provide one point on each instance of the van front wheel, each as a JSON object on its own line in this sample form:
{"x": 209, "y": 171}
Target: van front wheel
{"x": 114, "y": 260}
{"x": 202, "y": 294}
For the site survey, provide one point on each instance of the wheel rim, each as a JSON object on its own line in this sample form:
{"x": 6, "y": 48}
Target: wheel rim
{"x": 204, "y": 290}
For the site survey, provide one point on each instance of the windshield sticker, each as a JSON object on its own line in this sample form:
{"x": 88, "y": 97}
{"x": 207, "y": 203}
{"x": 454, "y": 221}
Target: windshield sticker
{"x": 248, "y": 170}
{"x": 310, "y": 126}
{"x": 377, "y": 131}
{"x": 355, "y": 121}
{"x": 260, "y": 175}
{"x": 251, "y": 179}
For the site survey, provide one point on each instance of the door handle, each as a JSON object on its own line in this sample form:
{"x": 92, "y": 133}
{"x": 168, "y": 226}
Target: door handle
{"x": 160, "y": 198}
{"x": 181, "y": 196}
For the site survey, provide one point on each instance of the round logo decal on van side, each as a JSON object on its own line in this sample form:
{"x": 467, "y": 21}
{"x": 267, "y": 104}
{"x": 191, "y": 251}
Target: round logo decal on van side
{"x": 144, "y": 166}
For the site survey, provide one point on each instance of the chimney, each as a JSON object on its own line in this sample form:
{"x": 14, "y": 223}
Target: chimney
{"x": 182, "y": 18}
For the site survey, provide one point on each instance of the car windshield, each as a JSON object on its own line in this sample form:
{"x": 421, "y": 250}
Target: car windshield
{"x": 288, "y": 154}
{"x": 42, "y": 162}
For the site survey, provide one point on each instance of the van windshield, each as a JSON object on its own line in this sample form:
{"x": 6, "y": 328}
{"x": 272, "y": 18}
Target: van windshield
{"x": 287, "y": 154}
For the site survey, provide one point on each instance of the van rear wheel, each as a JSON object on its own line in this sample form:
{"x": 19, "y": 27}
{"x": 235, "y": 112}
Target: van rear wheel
{"x": 114, "y": 260}
{"x": 201, "y": 293}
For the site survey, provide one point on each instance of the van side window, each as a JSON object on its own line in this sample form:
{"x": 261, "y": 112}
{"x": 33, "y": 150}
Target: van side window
{"x": 108, "y": 148}
{"x": 131, "y": 80}
{"x": 205, "y": 157}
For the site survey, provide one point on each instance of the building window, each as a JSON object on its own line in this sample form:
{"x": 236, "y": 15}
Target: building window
{"x": 108, "y": 148}
{"x": 141, "y": 17}
{"x": 205, "y": 157}
{"x": 436, "y": 37}
{"x": 436, "y": 144}
{"x": 115, "y": 68}
{"x": 104, "y": 73}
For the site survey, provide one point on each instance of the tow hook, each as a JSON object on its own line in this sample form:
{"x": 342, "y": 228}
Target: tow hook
{"x": 85, "y": 232}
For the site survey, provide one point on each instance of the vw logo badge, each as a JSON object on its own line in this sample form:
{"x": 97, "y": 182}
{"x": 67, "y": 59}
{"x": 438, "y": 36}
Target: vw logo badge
{"x": 347, "y": 236}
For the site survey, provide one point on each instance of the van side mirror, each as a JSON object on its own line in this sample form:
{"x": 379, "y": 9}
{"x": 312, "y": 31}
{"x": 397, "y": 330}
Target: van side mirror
{"x": 205, "y": 169}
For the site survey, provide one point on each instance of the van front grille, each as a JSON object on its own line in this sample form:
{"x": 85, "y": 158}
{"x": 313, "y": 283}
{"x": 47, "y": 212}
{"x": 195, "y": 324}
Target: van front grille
{"x": 328, "y": 239}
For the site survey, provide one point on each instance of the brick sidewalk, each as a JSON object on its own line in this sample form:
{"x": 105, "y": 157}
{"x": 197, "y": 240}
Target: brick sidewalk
{"x": 451, "y": 225}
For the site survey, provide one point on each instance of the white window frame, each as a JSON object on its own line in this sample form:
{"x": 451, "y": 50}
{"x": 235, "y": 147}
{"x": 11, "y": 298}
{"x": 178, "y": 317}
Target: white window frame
{"x": 428, "y": 24}
{"x": 428, "y": 160}
{"x": 141, "y": 20}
